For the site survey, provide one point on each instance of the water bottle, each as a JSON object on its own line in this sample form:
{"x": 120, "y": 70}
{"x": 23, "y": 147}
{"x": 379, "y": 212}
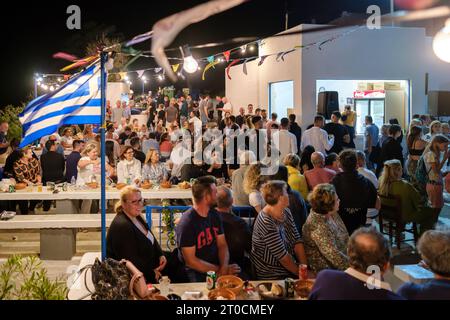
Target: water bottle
{"x": 73, "y": 181}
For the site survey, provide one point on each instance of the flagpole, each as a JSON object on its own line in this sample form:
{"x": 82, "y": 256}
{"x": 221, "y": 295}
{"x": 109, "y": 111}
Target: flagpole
{"x": 103, "y": 60}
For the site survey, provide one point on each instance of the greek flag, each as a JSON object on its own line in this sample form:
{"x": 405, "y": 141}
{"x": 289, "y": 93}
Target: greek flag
{"x": 77, "y": 102}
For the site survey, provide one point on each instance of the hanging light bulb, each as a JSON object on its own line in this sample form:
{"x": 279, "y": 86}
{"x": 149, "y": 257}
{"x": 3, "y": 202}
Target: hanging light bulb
{"x": 252, "y": 48}
{"x": 190, "y": 65}
{"x": 126, "y": 78}
{"x": 243, "y": 48}
{"x": 441, "y": 43}
{"x": 143, "y": 78}
{"x": 160, "y": 77}
{"x": 52, "y": 88}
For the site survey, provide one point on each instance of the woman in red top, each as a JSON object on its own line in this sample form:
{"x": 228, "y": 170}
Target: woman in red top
{"x": 165, "y": 146}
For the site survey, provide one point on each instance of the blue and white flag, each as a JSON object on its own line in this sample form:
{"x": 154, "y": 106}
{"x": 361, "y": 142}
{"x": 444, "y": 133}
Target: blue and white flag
{"x": 77, "y": 102}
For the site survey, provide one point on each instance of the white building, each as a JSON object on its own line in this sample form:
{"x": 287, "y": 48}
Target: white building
{"x": 363, "y": 57}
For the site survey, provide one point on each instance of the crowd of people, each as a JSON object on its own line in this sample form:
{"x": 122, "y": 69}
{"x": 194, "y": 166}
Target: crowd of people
{"x": 314, "y": 195}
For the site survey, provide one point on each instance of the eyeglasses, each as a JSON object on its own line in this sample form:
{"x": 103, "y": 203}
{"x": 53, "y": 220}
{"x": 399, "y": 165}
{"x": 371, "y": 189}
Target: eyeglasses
{"x": 135, "y": 202}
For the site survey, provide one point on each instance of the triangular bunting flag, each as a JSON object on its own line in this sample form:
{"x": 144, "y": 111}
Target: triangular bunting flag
{"x": 244, "y": 68}
{"x": 140, "y": 73}
{"x": 210, "y": 65}
{"x": 65, "y": 56}
{"x": 279, "y": 55}
{"x": 226, "y": 54}
{"x": 210, "y": 59}
{"x": 132, "y": 60}
{"x": 175, "y": 67}
{"x": 285, "y": 53}
{"x": 158, "y": 70}
{"x": 230, "y": 65}
{"x": 79, "y": 63}
{"x": 262, "y": 60}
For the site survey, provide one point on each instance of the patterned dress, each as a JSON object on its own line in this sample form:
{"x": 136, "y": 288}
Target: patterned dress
{"x": 325, "y": 240}
{"x": 27, "y": 171}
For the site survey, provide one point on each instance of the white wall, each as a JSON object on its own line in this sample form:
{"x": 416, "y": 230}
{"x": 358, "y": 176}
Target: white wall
{"x": 254, "y": 87}
{"x": 114, "y": 91}
{"x": 389, "y": 53}
{"x": 242, "y": 89}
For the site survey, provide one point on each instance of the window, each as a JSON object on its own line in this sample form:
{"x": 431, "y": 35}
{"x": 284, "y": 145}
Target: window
{"x": 281, "y": 97}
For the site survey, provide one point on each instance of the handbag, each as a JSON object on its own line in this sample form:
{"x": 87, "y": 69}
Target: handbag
{"x": 138, "y": 286}
{"x": 116, "y": 280}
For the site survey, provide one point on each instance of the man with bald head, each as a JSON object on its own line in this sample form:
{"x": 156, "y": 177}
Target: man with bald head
{"x": 237, "y": 232}
{"x": 369, "y": 254}
{"x": 319, "y": 174}
{"x": 240, "y": 119}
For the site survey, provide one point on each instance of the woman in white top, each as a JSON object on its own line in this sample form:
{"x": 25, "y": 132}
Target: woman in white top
{"x": 153, "y": 169}
{"x": 253, "y": 180}
{"x": 435, "y": 128}
{"x": 89, "y": 165}
{"x": 129, "y": 168}
{"x": 67, "y": 138}
{"x": 89, "y": 169}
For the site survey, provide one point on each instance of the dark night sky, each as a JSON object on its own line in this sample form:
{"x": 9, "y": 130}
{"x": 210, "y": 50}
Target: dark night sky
{"x": 33, "y": 32}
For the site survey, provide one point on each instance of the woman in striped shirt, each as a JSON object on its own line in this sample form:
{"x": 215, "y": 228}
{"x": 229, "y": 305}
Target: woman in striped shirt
{"x": 276, "y": 244}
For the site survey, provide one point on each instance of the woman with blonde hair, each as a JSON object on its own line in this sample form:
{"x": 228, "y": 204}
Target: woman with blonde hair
{"x": 435, "y": 128}
{"x": 392, "y": 184}
{"x": 153, "y": 169}
{"x": 325, "y": 236}
{"x": 296, "y": 180}
{"x": 130, "y": 238}
{"x": 89, "y": 170}
{"x": 253, "y": 180}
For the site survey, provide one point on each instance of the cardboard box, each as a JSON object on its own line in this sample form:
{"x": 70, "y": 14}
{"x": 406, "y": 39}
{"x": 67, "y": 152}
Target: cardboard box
{"x": 392, "y": 86}
{"x": 378, "y": 86}
{"x": 365, "y": 86}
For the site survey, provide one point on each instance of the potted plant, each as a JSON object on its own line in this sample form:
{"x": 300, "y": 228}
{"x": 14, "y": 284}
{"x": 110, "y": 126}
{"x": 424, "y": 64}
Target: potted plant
{"x": 25, "y": 279}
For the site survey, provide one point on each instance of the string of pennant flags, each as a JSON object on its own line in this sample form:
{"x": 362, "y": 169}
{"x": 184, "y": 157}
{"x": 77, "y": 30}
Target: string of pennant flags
{"x": 209, "y": 62}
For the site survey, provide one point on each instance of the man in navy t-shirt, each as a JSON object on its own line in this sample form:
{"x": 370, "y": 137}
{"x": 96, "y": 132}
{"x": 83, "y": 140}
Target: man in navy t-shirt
{"x": 369, "y": 255}
{"x": 434, "y": 246}
{"x": 200, "y": 235}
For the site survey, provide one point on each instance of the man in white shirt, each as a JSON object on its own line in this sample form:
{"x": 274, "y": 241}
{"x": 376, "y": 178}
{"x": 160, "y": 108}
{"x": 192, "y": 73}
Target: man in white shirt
{"x": 195, "y": 122}
{"x": 227, "y": 106}
{"x": 362, "y": 169}
{"x": 317, "y": 137}
{"x": 283, "y": 140}
{"x": 117, "y": 112}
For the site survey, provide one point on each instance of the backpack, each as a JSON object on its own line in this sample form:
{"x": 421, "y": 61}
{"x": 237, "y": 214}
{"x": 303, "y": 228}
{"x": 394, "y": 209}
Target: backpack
{"x": 421, "y": 172}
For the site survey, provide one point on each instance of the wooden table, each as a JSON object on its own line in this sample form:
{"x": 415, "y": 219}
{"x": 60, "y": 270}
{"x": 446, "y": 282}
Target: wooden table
{"x": 180, "y": 288}
{"x": 77, "y": 289}
{"x": 31, "y": 193}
